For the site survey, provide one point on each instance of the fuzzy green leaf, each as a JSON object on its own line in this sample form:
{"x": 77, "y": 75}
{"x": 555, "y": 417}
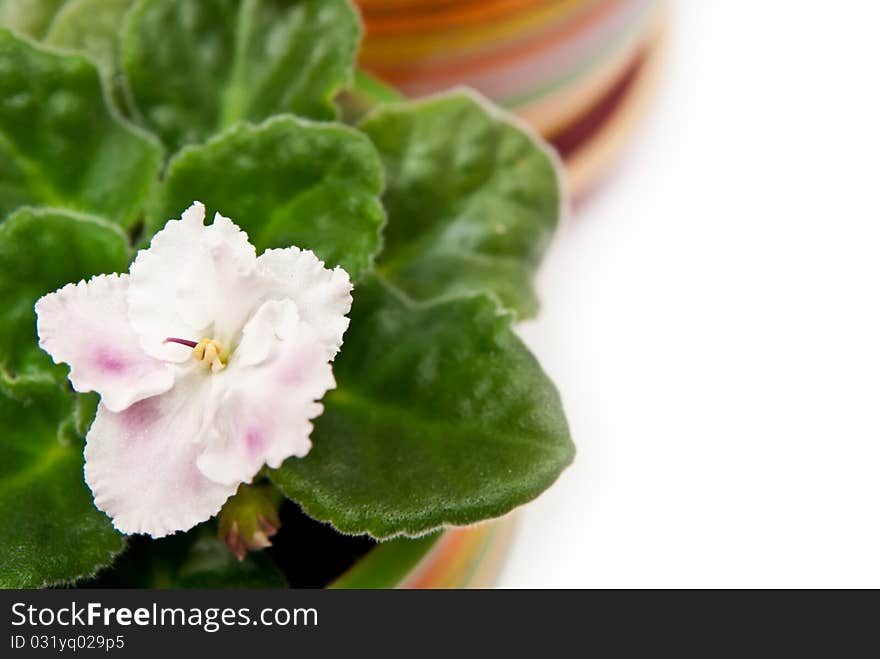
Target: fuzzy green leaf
{"x": 197, "y": 67}
{"x": 29, "y": 17}
{"x": 195, "y": 559}
{"x": 286, "y": 182}
{"x": 92, "y": 27}
{"x": 472, "y": 199}
{"x": 441, "y": 416}
{"x": 60, "y": 145}
{"x": 50, "y": 531}
{"x": 41, "y": 250}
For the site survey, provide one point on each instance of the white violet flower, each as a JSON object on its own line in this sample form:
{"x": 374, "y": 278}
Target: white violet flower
{"x": 209, "y": 362}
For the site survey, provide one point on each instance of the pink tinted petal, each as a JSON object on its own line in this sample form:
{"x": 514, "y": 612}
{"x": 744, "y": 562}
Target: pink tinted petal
{"x": 193, "y": 282}
{"x": 322, "y": 296}
{"x": 141, "y": 463}
{"x": 86, "y": 326}
{"x": 266, "y": 409}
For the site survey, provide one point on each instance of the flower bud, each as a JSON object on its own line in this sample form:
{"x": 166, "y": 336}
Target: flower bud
{"x": 250, "y": 518}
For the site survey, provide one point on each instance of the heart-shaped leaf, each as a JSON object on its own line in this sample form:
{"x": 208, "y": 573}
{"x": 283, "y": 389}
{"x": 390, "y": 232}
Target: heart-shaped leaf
{"x": 50, "y": 531}
{"x": 472, "y": 199}
{"x": 287, "y": 182}
{"x": 197, "y": 67}
{"x": 30, "y": 17}
{"x": 195, "y": 559}
{"x": 41, "y": 250}
{"x": 60, "y": 145}
{"x": 441, "y": 416}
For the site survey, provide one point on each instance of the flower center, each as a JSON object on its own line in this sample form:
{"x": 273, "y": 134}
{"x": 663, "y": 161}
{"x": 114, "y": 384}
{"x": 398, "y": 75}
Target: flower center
{"x": 207, "y": 350}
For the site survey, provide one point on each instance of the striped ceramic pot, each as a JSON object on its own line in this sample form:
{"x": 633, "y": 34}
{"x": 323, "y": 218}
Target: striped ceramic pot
{"x": 466, "y": 557}
{"x": 579, "y": 71}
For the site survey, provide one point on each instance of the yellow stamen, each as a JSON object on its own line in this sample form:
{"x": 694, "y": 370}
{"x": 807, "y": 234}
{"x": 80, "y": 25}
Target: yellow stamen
{"x": 211, "y": 352}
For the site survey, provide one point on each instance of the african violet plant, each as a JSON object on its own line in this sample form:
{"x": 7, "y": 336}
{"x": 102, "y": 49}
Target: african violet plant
{"x": 204, "y": 377}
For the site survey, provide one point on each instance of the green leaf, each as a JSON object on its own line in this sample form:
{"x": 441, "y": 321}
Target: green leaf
{"x": 41, "y": 250}
{"x": 441, "y": 416}
{"x": 50, "y": 531}
{"x": 92, "y": 27}
{"x": 365, "y": 94}
{"x": 29, "y": 17}
{"x": 195, "y": 559}
{"x": 472, "y": 199}
{"x": 85, "y": 407}
{"x": 198, "y": 67}
{"x": 60, "y": 145}
{"x": 286, "y": 182}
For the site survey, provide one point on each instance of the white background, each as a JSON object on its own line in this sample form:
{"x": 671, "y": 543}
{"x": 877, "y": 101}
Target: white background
{"x": 712, "y": 320}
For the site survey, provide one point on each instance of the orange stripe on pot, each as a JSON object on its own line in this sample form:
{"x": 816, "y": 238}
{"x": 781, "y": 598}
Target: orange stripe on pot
{"x": 393, "y": 59}
{"x": 434, "y": 18}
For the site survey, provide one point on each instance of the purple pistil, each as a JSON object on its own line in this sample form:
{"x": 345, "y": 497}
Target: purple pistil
{"x": 183, "y": 342}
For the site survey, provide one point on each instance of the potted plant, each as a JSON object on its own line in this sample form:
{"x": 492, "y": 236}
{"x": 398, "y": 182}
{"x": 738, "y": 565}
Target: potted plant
{"x": 320, "y": 387}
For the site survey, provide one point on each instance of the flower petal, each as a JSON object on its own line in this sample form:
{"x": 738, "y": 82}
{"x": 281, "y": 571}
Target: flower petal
{"x": 86, "y": 326}
{"x": 322, "y": 296}
{"x": 141, "y": 463}
{"x": 193, "y": 282}
{"x": 274, "y": 321}
{"x": 272, "y": 383}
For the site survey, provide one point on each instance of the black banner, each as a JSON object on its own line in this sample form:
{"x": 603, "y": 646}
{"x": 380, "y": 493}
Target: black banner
{"x": 126, "y": 623}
